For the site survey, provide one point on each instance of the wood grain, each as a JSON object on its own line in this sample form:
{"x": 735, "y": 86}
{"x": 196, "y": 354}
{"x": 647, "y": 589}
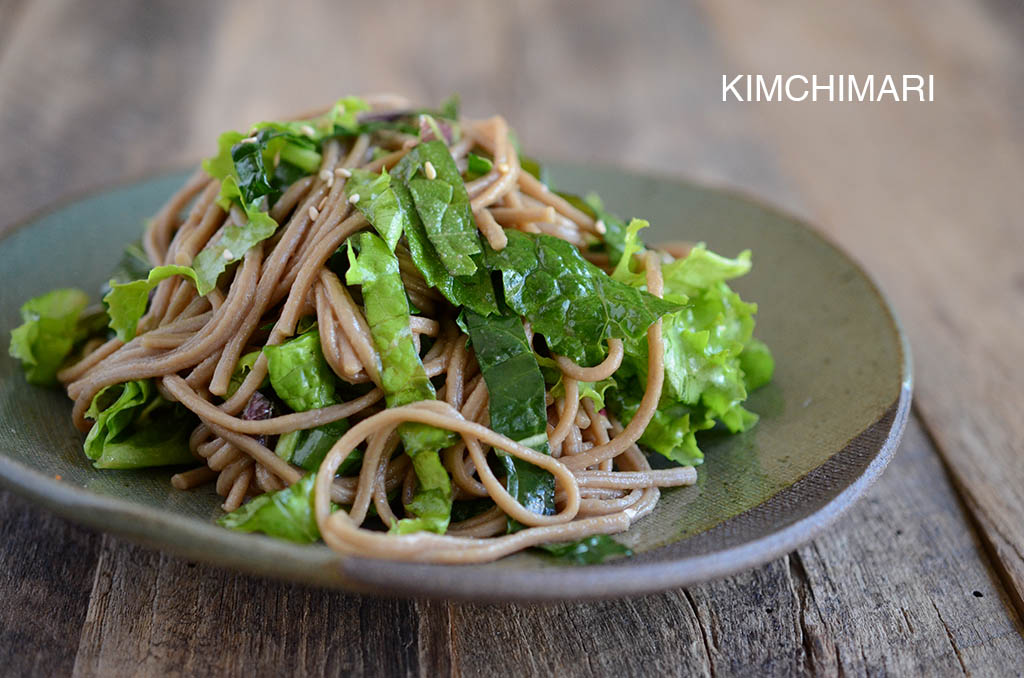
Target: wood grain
{"x": 904, "y": 584}
{"x": 921, "y": 193}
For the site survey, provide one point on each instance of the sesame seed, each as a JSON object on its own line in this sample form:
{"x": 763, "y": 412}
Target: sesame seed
{"x": 314, "y": 213}
{"x": 323, "y": 201}
{"x": 342, "y": 172}
{"x": 228, "y": 255}
{"x": 248, "y": 140}
{"x": 354, "y": 198}
{"x": 600, "y": 227}
{"x": 503, "y": 167}
{"x": 307, "y": 130}
{"x": 428, "y": 169}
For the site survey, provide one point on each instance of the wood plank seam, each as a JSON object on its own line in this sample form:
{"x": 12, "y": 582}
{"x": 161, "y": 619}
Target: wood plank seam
{"x": 982, "y": 532}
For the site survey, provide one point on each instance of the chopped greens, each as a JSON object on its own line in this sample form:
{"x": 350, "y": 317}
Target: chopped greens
{"x": 307, "y": 448}
{"x": 403, "y": 377}
{"x": 49, "y": 331}
{"x": 517, "y": 405}
{"x": 442, "y": 203}
{"x": 379, "y": 204}
{"x": 299, "y": 373}
{"x": 285, "y": 514}
{"x": 587, "y": 551}
{"x": 136, "y": 428}
{"x": 573, "y": 303}
{"x": 126, "y": 302}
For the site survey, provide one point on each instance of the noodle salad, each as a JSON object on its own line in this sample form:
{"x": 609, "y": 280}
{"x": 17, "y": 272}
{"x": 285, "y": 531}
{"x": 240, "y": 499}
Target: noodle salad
{"x": 383, "y": 328}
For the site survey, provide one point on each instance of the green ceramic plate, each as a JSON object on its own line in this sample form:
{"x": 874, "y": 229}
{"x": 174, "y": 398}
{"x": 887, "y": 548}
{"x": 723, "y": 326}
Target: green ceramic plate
{"x": 829, "y": 422}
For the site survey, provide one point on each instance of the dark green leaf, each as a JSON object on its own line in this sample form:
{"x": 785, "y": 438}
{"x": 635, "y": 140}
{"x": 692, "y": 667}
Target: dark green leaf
{"x": 615, "y": 228}
{"x": 516, "y": 403}
{"x": 588, "y": 551}
{"x": 307, "y": 448}
{"x": 442, "y": 204}
{"x": 574, "y": 304}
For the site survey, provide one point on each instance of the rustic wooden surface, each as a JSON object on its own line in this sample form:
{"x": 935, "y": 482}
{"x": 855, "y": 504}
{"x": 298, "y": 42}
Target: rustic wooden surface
{"x": 923, "y": 576}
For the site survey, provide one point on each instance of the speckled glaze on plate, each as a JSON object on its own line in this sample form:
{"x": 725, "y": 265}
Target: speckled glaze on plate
{"x": 830, "y": 421}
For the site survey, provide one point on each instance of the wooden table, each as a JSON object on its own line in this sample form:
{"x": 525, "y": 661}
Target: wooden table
{"x": 924, "y": 575}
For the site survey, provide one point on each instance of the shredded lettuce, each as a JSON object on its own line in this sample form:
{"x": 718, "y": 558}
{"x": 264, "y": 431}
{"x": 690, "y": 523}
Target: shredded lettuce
{"x": 573, "y": 303}
{"x": 379, "y": 204}
{"x": 136, "y": 428}
{"x": 49, "y": 331}
{"x": 709, "y": 348}
{"x": 126, "y": 302}
{"x": 404, "y": 380}
{"x": 299, "y": 373}
{"x": 517, "y": 404}
{"x": 285, "y": 514}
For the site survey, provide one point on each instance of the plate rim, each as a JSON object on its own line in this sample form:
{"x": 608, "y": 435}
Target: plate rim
{"x": 191, "y": 537}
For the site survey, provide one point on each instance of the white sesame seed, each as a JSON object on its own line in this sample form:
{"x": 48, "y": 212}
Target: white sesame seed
{"x": 323, "y": 201}
{"x": 314, "y": 213}
{"x": 248, "y": 140}
{"x": 307, "y": 130}
{"x": 600, "y": 227}
{"x": 503, "y": 167}
{"x": 354, "y": 198}
{"x": 342, "y": 172}
{"x": 228, "y": 255}
{"x": 428, "y": 169}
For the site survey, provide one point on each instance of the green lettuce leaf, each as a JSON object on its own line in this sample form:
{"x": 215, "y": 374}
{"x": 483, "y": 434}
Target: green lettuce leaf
{"x": 757, "y": 364}
{"x": 136, "y": 428}
{"x": 709, "y": 348}
{"x": 442, "y": 204}
{"x": 126, "y": 302}
{"x": 299, "y": 373}
{"x": 285, "y": 514}
{"x": 379, "y": 204}
{"x": 516, "y": 403}
{"x": 587, "y": 551}
{"x": 48, "y": 333}
{"x": 234, "y": 241}
{"x": 574, "y": 304}
{"x": 403, "y": 378}
{"x": 632, "y": 245}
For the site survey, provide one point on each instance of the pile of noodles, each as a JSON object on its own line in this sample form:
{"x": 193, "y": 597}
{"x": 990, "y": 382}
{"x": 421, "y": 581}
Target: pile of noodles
{"x": 189, "y": 345}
